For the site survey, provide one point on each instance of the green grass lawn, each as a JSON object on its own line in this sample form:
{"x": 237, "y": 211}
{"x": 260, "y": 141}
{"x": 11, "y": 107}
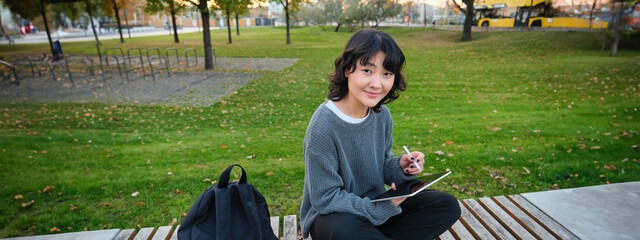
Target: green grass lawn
{"x": 512, "y": 112}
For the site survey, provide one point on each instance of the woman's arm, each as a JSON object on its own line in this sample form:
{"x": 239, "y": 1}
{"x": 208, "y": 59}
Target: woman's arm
{"x": 328, "y": 195}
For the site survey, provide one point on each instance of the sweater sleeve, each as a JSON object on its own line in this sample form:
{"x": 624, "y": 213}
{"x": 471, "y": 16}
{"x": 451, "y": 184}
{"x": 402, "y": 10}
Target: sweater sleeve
{"x": 328, "y": 195}
{"x": 392, "y": 170}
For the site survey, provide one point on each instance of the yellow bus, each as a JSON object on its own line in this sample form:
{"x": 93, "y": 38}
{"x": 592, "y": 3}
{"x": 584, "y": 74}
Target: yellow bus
{"x": 515, "y": 13}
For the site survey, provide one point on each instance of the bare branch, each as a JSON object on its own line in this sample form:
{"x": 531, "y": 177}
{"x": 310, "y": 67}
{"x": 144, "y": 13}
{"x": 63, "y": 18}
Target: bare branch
{"x": 458, "y": 6}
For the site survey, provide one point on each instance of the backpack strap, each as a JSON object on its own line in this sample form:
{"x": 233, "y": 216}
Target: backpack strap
{"x": 224, "y": 177}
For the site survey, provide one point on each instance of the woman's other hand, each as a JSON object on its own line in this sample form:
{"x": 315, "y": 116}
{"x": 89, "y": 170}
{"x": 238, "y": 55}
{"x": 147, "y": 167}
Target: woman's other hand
{"x": 397, "y": 201}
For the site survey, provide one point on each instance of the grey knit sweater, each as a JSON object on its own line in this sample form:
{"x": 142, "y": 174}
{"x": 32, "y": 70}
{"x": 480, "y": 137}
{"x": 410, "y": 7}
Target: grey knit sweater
{"x": 347, "y": 164}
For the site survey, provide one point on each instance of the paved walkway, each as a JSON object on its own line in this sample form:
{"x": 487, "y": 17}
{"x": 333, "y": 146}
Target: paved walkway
{"x": 596, "y": 212}
{"x": 182, "y": 86}
{"x": 41, "y": 36}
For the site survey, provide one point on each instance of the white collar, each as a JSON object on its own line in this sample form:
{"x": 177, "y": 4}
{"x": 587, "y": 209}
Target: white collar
{"x": 331, "y": 105}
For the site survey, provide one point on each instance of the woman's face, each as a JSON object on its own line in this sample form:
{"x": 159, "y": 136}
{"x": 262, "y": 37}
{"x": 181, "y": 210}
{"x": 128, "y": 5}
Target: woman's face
{"x": 369, "y": 83}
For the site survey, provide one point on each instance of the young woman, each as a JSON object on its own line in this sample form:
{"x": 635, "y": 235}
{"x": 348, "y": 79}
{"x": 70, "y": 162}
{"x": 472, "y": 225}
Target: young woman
{"x": 348, "y": 158}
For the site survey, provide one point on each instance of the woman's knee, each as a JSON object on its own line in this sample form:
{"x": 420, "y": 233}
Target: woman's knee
{"x": 455, "y": 208}
{"x": 441, "y": 202}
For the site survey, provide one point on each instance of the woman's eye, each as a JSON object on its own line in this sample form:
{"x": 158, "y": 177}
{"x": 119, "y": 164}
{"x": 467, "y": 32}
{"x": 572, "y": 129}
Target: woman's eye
{"x": 366, "y": 71}
{"x": 388, "y": 74}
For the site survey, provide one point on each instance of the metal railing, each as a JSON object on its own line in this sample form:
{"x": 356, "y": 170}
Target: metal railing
{"x": 158, "y": 57}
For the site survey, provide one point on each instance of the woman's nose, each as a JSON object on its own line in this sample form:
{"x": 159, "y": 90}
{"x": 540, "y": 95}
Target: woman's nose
{"x": 376, "y": 82}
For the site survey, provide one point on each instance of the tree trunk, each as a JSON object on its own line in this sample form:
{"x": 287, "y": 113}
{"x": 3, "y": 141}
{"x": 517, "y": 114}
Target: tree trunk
{"x": 228, "y": 25}
{"x": 115, "y": 9}
{"x": 616, "y": 25}
{"x": 338, "y": 27}
{"x": 468, "y": 21}
{"x": 173, "y": 19}
{"x": 93, "y": 28}
{"x": 593, "y": 7}
{"x": 614, "y": 43}
{"x": 54, "y": 54}
{"x": 237, "y": 25}
{"x": 206, "y": 37}
{"x": 286, "y": 10}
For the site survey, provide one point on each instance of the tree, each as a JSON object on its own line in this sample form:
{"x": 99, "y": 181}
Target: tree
{"x": 468, "y": 19}
{"x": 314, "y": 13}
{"x": 334, "y": 13}
{"x": 618, "y": 24}
{"x": 203, "y": 7}
{"x": 289, "y": 6}
{"x": 379, "y": 10}
{"x": 169, "y": 7}
{"x": 26, "y": 9}
{"x": 110, "y": 7}
{"x": 593, "y": 7}
{"x": 227, "y": 7}
{"x": 71, "y": 10}
{"x": 343, "y": 12}
{"x": 242, "y": 7}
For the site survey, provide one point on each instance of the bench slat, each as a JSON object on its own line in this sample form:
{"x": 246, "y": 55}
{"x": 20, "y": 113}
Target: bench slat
{"x": 144, "y": 233}
{"x": 275, "y": 225}
{"x": 446, "y": 235}
{"x": 507, "y": 221}
{"x": 174, "y": 236}
{"x": 125, "y": 234}
{"x": 461, "y": 231}
{"x": 523, "y": 218}
{"x": 493, "y": 226}
{"x": 473, "y": 225}
{"x": 290, "y": 228}
{"x": 543, "y": 219}
{"x": 162, "y": 233}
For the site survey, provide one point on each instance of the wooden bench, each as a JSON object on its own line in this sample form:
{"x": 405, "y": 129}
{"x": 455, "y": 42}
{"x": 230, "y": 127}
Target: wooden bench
{"x": 501, "y": 217}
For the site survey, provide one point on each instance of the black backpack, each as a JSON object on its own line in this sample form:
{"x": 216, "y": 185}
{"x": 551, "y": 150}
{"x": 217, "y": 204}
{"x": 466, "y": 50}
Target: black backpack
{"x": 228, "y": 211}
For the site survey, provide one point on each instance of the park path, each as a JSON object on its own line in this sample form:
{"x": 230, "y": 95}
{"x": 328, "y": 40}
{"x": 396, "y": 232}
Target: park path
{"x": 183, "y": 85}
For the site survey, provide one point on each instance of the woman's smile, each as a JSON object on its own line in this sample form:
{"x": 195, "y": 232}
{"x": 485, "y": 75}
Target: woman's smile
{"x": 372, "y": 94}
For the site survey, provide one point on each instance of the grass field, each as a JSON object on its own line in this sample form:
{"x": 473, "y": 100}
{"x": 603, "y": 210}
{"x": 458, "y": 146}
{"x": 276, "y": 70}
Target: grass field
{"x": 510, "y": 112}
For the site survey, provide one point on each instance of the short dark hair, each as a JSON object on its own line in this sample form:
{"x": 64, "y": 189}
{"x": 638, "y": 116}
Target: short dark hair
{"x": 363, "y": 45}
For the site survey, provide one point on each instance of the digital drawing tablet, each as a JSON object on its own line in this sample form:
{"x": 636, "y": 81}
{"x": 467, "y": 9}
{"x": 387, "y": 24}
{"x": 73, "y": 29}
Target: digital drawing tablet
{"x": 404, "y": 190}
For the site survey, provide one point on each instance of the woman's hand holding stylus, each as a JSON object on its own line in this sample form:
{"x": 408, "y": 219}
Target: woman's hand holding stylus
{"x": 412, "y": 164}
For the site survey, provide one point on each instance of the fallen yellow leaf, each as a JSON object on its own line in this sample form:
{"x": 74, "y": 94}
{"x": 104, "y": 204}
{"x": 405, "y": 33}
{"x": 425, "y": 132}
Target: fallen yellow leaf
{"x": 48, "y": 189}
{"x": 27, "y": 203}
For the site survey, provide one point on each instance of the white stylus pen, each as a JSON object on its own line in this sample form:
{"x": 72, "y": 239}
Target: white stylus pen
{"x": 417, "y": 165}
